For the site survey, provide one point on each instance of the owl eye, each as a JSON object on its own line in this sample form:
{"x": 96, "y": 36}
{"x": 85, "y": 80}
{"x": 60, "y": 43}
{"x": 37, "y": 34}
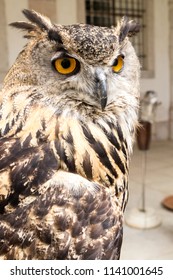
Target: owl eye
{"x": 66, "y": 65}
{"x": 118, "y": 64}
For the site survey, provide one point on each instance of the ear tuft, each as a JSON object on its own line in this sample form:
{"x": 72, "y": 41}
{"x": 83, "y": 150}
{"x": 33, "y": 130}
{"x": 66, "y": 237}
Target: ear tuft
{"x": 41, "y": 21}
{"x": 23, "y": 25}
{"x": 37, "y": 24}
{"x": 127, "y": 28}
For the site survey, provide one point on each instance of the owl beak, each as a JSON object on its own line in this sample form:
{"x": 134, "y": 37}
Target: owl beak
{"x": 101, "y": 89}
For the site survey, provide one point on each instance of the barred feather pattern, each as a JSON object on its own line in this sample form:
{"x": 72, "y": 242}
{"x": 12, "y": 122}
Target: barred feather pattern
{"x": 63, "y": 162}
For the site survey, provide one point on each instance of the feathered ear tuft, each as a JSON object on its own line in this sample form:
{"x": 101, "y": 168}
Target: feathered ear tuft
{"x": 37, "y": 24}
{"x": 36, "y": 21}
{"x": 127, "y": 28}
{"x": 23, "y": 25}
{"x": 41, "y": 21}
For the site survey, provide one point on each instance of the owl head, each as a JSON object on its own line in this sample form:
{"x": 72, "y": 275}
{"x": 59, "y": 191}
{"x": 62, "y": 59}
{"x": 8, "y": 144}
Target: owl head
{"x": 96, "y": 66}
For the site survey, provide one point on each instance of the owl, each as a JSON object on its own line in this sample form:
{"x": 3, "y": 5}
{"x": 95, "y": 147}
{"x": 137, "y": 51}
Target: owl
{"x": 68, "y": 114}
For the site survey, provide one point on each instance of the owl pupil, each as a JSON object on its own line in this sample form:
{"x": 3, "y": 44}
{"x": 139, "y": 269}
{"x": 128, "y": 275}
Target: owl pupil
{"x": 65, "y": 63}
{"x": 115, "y": 62}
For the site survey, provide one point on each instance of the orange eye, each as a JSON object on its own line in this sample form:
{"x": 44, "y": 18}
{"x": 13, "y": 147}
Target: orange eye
{"x": 65, "y": 65}
{"x": 118, "y": 64}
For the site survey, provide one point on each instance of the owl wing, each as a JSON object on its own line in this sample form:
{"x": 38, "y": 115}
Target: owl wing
{"x": 48, "y": 213}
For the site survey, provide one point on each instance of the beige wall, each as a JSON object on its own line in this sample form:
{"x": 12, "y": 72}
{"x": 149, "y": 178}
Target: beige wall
{"x": 171, "y": 67}
{"x": 45, "y": 7}
{"x": 15, "y": 39}
{"x": 67, "y": 12}
{"x": 3, "y": 41}
{"x": 160, "y": 81}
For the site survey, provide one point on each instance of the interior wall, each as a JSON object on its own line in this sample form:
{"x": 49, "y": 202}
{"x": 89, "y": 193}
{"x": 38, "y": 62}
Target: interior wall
{"x": 15, "y": 40}
{"x": 171, "y": 68}
{"x": 3, "y": 40}
{"x": 44, "y": 7}
{"x": 66, "y": 11}
{"x": 160, "y": 82}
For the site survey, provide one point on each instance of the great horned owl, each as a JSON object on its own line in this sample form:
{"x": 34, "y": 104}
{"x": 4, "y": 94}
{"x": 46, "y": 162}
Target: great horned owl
{"x": 68, "y": 112}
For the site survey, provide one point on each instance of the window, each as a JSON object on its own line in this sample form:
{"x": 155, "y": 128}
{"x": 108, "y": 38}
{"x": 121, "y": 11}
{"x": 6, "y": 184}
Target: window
{"x": 108, "y": 12}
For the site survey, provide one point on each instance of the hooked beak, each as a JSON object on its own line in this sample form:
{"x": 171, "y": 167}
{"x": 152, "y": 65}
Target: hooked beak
{"x": 101, "y": 88}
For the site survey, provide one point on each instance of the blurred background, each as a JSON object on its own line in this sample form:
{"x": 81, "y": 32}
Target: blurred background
{"x": 151, "y": 171}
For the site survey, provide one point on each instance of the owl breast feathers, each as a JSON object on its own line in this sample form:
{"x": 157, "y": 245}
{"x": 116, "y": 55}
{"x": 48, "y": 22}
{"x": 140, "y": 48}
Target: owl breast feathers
{"x": 68, "y": 113}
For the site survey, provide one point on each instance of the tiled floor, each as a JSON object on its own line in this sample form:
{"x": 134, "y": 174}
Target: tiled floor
{"x": 155, "y": 243}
